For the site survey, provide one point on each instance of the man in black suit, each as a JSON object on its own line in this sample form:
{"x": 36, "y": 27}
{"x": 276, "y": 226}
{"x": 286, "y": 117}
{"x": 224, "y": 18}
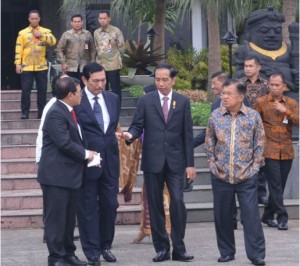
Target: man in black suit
{"x": 165, "y": 117}
{"x": 60, "y": 173}
{"x": 98, "y": 115}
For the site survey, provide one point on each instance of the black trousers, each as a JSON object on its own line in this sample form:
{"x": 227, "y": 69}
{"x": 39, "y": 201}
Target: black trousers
{"x": 76, "y": 75}
{"x": 59, "y": 219}
{"x": 154, "y": 186}
{"x": 27, "y": 79}
{"x": 96, "y": 214}
{"x": 277, "y": 172}
{"x": 224, "y": 197}
{"x": 114, "y": 82}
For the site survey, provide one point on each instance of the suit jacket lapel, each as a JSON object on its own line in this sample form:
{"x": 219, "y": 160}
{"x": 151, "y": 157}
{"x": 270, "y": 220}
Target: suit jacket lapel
{"x": 157, "y": 104}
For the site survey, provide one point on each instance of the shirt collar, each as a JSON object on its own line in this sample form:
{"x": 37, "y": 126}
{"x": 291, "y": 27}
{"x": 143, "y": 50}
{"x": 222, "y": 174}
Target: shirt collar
{"x": 258, "y": 80}
{"x": 243, "y": 110}
{"x": 73, "y": 31}
{"x": 107, "y": 30}
{"x": 31, "y": 29}
{"x": 161, "y": 96}
{"x": 270, "y": 98}
{"x": 70, "y": 108}
{"x": 91, "y": 96}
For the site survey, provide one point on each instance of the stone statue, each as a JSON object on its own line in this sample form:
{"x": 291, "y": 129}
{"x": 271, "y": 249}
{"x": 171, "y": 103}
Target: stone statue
{"x": 263, "y": 34}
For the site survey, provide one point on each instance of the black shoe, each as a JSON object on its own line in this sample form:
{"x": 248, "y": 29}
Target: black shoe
{"x": 56, "y": 262}
{"x": 161, "y": 256}
{"x": 225, "y": 258}
{"x": 108, "y": 256}
{"x": 182, "y": 257}
{"x": 258, "y": 261}
{"x": 23, "y": 116}
{"x": 94, "y": 262}
{"x": 283, "y": 226}
{"x": 270, "y": 223}
{"x": 73, "y": 260}
{"x": 262, "y": 200}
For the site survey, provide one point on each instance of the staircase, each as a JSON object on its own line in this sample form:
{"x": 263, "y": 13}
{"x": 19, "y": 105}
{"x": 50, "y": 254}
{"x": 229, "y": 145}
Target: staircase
{"x": 21, "y": 196}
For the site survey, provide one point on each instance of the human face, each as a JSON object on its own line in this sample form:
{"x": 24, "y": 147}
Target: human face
{"x": 76, "y": 23}
{"x": 216, "y": 86}
{"x": 34, "y": 20}
{"x": 277, "y": 86}
{"x": 75, "y": 97}
{"x": 267, "y": 35}
{"x": 163, "y": 81}
{"x": 96, "y": 83}
{"x": 231, "y": 98}
{"x": 104, "y": 20}
{"x": 251, "y": 69}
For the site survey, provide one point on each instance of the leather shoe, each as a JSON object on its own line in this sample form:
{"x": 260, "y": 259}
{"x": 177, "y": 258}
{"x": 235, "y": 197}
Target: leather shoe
{"x": 270, "y": 223}
{"x": 262, "y": 200}
{"x": 282, "y": 226}
{"x": 161, "y": 256}
{"x": 56, "y": 262}
{"x": 73, "y": 260}
{"x": 225, "y": 258}
{"x": 258, "y": 261}
{"x": 182, "y": 257}
{"x": 23, "y": 116}
{"x": 108, "y": 256}
{"x": 94, "y": 262}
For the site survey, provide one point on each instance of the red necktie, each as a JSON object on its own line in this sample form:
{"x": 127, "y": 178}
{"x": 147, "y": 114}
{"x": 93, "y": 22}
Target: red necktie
{"x": 165, "y": 108}
{"x": 74, "y": 116}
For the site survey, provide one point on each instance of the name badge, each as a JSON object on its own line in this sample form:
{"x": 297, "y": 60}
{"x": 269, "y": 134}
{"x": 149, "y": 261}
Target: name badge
{"x": 86, "y": 46}
{"x": 285, "y": 120}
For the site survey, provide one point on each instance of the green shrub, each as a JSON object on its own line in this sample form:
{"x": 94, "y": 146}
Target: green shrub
{"x": 136, "y": 90}
{"x": 200, "y": 113}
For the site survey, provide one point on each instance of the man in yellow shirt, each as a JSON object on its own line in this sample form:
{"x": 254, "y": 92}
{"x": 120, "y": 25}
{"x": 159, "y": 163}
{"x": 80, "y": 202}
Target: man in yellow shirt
{"x": 31, "y": 63}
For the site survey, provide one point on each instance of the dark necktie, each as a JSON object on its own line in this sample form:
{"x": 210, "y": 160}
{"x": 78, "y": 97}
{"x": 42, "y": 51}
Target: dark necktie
{"x": 165, "y": 108}
{"x": 74, "y": 116}
{"x": 98, "y": 113}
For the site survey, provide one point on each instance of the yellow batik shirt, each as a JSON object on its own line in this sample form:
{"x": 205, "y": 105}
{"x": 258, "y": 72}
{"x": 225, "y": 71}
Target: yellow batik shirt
{"x": 31, "y": 51}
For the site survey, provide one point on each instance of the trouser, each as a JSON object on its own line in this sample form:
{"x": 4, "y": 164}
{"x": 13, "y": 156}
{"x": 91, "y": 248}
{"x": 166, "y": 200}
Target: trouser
{"x": 224, "y": 197}
{"x": 114, "y": 81}
{"x": 277, "y": 172}
{"x": 27, "y": 79}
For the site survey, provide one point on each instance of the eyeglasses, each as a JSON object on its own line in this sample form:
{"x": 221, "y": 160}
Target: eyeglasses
{"x": 229, "y": 94}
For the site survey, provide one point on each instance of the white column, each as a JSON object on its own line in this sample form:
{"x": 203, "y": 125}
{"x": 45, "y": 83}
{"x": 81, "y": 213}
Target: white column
{"x": 199, "y": 27}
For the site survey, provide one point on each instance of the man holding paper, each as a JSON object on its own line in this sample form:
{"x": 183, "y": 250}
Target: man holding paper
{"x": 98, "y": 115}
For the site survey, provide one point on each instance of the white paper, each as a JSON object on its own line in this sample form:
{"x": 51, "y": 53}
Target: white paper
{"x": 96, "y": 161}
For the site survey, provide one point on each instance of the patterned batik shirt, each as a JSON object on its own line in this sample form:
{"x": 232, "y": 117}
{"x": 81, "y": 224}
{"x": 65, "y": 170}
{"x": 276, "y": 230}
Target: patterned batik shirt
{"x": 278, "y": 126}
{"x": 76, "y": 49}
{"x": 255, "y": 90}
{"x": 31, "y": 51}
{"x": 110, "y": 47}
{"x": 235, "y": 144}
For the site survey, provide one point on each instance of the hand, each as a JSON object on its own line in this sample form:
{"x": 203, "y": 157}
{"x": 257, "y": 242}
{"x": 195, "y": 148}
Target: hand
{"x": 191, "y": 173}
{"x": 37, "y": 33}
{"x": 119, "y": 135}
{"x": 19, "y": 69}
{"x": 127, "y": 136}
{"x": 280, "y": 107}
{"x": 91, "y": 155}
{"x": 64, "y": 68}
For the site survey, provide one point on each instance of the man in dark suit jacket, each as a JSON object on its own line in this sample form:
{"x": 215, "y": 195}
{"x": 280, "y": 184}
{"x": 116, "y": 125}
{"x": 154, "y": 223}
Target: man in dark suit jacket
{"x": 165, "y": 117}
{"x": 98, "y": 114}
{"x": 60, "y": 173}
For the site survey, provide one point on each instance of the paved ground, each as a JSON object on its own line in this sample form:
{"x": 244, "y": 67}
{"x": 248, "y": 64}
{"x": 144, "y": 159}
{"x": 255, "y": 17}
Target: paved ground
{"x": 24, "y": 247}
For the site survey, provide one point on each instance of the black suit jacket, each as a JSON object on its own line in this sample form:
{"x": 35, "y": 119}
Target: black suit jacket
{"x": 104, "y": 143}
{"x": 63, "y": 152}
{"x": 171, "y": 141}
{"x": 200, "y": 138}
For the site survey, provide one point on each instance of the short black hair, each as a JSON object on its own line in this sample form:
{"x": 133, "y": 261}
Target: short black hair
{"x": 91, "y": 68}
{"x": 254, "y": 57}
{"x": 278, "y": 74}
{"x": 64, "y": 86}
{"x": 104, "y": 11}
{"x": 241, "y": 88}
{"x": 76, "y": 16}
{"x": 173, "y": 71}
{"x": 34, "y": 11}
{"x": 220, "y": 75}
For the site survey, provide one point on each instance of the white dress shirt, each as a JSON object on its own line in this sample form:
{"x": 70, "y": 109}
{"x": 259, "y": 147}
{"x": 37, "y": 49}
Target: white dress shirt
{"x": 161, "y": 96}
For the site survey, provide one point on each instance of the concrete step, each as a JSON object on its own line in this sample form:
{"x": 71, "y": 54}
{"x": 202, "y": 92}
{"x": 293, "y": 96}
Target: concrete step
{"x": 17, "y": 151}
{"x": 19, "y": 182}
{"x": 127, "y": 214}
{"x": 20, "y": 124}
{"x": 18, "y": 137}
{"x": 14, "y": 114}
{"x": 16, "y": 95}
